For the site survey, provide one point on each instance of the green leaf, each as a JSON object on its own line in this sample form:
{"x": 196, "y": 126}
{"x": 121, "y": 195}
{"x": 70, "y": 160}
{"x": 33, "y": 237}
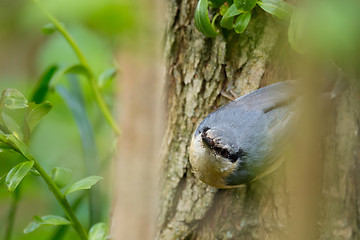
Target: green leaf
{"x": 54, "y": 220}
{"x": 13, "y": 99}
{"x": 12, "y": 108}
{"x": 17, "y": 173}
{"x": 242, "y": 22}
{"x": 98, "y": 231}
{"x": 61, "y": 176}
{"x": 49, "y": 28}
{"x": 76, "y": 69}
{"x": 227, "y": 20}
{"x": 15, "y": 144}
{"x": 13, "y": 121}
{"x": 227, "y": 23}
{"x": 35, "y": 172}
{"x": 32, "y": 226}
{"x": 232, "y": 11}
{"x": 223, "y": 9}
{"x": 245, "y": 5}
{"x": 42, "y": 87}
{"x": 202, "y": 21}
{"x": 38, "y": 219}
{"x": 36, "y": 112}
{"x": 106, "y": 76}
{"x": 278, "y": 8}
{"x": 45, "y": 220}
{"x": 85, "y": 183}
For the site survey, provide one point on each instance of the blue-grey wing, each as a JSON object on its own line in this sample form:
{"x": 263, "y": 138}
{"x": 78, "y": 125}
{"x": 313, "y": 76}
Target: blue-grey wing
{"x": 268, "y": 98}
{"x": 264, "y": 132}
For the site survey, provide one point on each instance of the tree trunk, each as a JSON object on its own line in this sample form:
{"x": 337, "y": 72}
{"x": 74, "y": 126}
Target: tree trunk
{"x": 198, "y": 69}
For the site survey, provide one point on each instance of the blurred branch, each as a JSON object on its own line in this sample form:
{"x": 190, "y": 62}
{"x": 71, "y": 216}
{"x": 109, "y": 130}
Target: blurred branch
{"x": 12, "y": 213}
{"x": 61, "y": 230}
{"x": 74, "y": 100}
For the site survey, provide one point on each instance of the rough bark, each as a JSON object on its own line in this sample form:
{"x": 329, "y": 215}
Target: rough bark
{"x": 198, "y": 69}
{"x": 340, "y": 203}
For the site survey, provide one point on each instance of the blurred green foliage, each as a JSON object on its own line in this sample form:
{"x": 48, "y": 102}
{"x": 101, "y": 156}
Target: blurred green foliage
{"x": 101, "y": 28}
{"x": 327, "y": 28}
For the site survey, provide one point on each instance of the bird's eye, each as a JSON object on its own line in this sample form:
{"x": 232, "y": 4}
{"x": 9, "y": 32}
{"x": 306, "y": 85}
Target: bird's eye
{"x": 205, "y": 129}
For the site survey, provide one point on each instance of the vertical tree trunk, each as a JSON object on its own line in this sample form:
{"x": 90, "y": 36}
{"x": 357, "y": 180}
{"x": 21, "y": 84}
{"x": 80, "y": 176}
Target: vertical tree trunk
{"x": 198, "y": 69}
{"x": 340, "y": 200}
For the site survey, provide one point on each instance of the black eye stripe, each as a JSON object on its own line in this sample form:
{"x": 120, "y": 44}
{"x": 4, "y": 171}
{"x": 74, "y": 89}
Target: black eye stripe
{"x": 225, "y": 153}
{"x": 233, "y": 157}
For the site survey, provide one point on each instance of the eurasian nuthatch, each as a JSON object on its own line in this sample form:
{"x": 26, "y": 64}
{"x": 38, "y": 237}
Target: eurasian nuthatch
{"x": 244, "y": 139}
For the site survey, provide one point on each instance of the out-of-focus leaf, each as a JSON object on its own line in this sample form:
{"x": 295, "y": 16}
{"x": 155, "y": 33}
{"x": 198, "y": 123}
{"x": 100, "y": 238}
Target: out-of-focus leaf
{"x": 13, "y": 120}
{"x": 223, "y": 9}
{"x": 32, "y": 226}
{"x": 53, "y": 220}
{"x": 115, "y": 18}
{"x": 98, "y": 232}
{"x": 245, "y": 5}
{"x": 2, "y": 178}
{"x": 73, "y": 97}
{"x": 85, "y": 183}
{"x": 5, "y": 148}
{"x": 106, "y": 76}
{"x": 13, "y": 99}
{"x": 34, "y": 172}
{"x": 295, "y": 31}
{"x": 202, "y": 21}
{"x": 35, "y": 112}
{"x": 3, "y": 129}
{"x": 75, "y": 101}
{"x": 216, "y": 3}
{"x": 42, "y": 87}
{"x": 38, "y": 219}
{"x": 45, "y": 220}
{"x": 278, "y": 8}
{"x": 61, "y": 176}
{"x": 48, "y": 28}
{"x": 76, "y": 69}
{"x": 241, "y": 22}
{"x": 227, "y": 20}
{"x": 16, "y": 174}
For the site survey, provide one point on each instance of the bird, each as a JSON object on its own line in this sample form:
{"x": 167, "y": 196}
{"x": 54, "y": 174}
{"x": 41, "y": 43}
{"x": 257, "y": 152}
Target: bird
{"x": 245, "y": 139}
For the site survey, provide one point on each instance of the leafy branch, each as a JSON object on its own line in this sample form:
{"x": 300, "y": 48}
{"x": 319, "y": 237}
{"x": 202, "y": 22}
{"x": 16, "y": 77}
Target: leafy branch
{"x": 14, "y": 133}
{"x": 56, "y": 25}
{"x": 231, "y": 9}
